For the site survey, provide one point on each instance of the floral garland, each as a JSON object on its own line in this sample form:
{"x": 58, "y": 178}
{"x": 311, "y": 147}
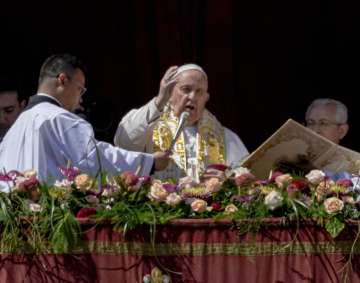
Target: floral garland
{"x": 128, "y": 200}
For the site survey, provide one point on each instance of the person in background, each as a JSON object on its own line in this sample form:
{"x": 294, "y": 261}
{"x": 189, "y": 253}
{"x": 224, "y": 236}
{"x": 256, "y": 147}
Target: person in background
{"x": 328, "y": 117}
{"x": 11, "y": 105}
{"x": 204, "y": 141}
{"x": 47, "y": 135}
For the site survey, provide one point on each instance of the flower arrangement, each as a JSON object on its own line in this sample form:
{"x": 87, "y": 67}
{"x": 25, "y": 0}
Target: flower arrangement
{"x": 36, "y": 217}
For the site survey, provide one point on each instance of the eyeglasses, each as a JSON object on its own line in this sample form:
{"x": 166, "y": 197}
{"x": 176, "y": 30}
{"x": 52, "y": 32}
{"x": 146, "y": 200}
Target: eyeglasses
{"x": 81, "y": 87}
{"x": 321, "y": 123}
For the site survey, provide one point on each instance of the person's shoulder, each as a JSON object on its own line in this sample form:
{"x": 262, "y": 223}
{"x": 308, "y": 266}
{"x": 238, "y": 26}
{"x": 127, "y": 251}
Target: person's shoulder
{"x": 231, "y": 134}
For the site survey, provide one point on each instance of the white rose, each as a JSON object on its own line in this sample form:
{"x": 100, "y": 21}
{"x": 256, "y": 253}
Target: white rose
{"x": 315, "y": 176}
{"x": 63, "y": 184}
{"x": 35, "y": 207}
{"x": 241, "y": 171}
{"x": 273, "y": 200}
{"x": 173, "y": 199}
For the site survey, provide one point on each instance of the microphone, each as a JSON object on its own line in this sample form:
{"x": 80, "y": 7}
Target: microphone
{"x": 182, "y": 124}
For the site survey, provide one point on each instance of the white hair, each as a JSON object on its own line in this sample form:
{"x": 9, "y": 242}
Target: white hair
{"x": 341, "y": 115}
{"x": 187, "y": 67}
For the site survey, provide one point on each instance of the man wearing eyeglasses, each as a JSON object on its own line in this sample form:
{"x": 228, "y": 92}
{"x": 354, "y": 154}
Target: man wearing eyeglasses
{"x": 48, "y": 135}
{"x": 11, "y": 105}
{"x": 328, "y": 117}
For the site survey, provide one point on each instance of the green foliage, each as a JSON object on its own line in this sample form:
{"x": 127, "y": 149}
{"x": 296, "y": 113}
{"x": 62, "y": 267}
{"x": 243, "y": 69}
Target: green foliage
{"x": 334, "y": 226}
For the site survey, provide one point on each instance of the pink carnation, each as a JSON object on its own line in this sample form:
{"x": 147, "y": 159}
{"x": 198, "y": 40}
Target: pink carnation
{"x": 244, "y": 179}
{"x": 129, "y": 178}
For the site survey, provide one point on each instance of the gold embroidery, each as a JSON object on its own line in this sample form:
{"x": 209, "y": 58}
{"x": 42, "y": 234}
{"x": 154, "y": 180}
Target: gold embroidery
{"x": 210, "y": 147}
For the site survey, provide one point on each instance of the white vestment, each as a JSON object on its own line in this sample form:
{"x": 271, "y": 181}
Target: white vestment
{"x": 47, "y": 136}
{"x": 135, "y": 133}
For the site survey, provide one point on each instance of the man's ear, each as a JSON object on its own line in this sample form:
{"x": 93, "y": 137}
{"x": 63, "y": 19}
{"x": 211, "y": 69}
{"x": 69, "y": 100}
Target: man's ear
{"x": 61, "y": 79}
{"x": 343, "y": 129}
{"x": 207, "y": 97}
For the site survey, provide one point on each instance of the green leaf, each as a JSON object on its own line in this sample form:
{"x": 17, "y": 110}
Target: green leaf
{"x": 334, "y": 226}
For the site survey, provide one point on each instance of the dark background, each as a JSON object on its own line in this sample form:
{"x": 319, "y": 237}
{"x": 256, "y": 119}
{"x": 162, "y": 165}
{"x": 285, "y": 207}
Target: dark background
{"x": 266, "y": 60}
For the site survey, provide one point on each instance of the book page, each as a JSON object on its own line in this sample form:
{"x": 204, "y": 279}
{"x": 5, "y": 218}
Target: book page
{"x": 291, "y": 141}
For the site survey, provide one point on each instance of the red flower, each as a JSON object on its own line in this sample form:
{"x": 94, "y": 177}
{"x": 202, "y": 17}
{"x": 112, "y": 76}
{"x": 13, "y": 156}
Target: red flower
{"x": 85, "y": 212}
{"x": 216, "y": 206}
{"x": 217, "y": 166}
{"x": 297, "y": 185}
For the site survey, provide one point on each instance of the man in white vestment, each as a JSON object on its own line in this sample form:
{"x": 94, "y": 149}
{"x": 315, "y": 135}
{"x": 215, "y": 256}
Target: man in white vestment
{"x": 328, "y": 117}
{"x": 204, "y": 141}
{"x": 48, "y": 135}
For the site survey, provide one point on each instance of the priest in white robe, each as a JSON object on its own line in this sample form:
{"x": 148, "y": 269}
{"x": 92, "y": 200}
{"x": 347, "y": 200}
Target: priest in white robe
{"x": 47, "y": 135}
{"x": 203, "y": 141}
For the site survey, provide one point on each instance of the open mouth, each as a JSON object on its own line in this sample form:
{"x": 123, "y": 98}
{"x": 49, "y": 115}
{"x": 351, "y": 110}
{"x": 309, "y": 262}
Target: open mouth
{"x": 189, "y": 108}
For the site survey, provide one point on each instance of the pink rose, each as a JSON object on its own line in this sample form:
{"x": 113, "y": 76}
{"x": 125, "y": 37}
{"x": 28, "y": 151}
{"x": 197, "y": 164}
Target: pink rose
{"x": 129, "y": 178}
{"x": 199, "y": 205}
{"x": 244, "y": 179}
{"x": 333, "y": 205}
{"x": 157, "y": 192}
{"x": 213, "y": 185}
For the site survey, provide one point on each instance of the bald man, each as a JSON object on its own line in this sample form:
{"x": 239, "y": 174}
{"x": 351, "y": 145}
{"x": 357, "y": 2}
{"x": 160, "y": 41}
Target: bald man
{"x": 204, "y": 141}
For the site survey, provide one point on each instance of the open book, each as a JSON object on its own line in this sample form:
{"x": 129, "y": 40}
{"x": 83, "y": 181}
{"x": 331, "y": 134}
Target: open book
{"x": 293, "y": 140}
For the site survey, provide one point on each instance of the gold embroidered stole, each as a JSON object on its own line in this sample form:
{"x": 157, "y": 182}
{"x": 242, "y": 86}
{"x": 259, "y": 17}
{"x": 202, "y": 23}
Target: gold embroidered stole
{"x": 210, "y": 146}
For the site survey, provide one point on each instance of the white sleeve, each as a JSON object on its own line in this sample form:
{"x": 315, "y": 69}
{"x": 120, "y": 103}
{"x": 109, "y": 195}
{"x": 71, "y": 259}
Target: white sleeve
{"x": 79, "y": 145}
{"x": 235, "y": 148}
{"x": 133, "y": 129}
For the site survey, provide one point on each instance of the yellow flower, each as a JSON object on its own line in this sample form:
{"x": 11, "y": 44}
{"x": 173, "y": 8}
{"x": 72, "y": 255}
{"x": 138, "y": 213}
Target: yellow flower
{"x": 230, "y": 208}
{"x": 29, "y": 173}
{"x": 83, "y": 182}
{"x": 282, "y": 180}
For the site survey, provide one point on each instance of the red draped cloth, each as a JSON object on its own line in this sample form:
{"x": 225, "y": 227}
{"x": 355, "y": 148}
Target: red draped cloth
{"x": 196, "y": 251}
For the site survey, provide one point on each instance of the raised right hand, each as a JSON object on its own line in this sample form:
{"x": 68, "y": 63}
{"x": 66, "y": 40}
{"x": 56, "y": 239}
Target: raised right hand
{"x": 166, "y": 86}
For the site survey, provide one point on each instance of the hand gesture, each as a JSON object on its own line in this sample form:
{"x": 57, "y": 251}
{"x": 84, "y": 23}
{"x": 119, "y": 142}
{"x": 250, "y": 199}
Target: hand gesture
{"x": 161, "y": 160}
{"x": 166, "y": 86}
